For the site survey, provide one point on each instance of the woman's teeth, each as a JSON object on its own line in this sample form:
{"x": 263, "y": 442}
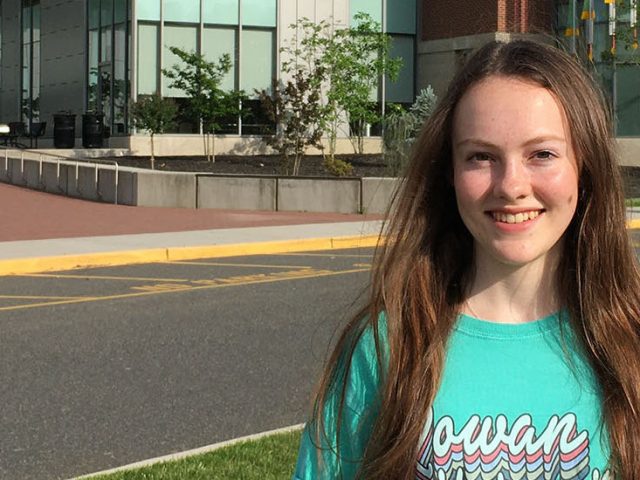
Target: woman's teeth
{"x": 515, "y": 217}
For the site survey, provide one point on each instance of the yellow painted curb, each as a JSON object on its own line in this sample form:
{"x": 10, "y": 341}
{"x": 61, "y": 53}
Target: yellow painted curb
{"x": 111, "y": 259}
{"x": 632, "y": 224}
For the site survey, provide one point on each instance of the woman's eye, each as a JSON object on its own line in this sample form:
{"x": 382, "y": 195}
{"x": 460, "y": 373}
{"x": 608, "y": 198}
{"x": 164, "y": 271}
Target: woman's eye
{"x": 480, "y": 157}
{"x": 544, "y": 155}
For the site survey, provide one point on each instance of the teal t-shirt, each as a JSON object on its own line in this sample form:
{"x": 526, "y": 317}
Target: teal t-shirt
{"x": 510, "y": 406}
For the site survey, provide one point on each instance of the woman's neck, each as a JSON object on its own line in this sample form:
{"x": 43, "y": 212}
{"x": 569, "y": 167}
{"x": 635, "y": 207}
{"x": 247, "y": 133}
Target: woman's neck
{"x": 513, "y": 294}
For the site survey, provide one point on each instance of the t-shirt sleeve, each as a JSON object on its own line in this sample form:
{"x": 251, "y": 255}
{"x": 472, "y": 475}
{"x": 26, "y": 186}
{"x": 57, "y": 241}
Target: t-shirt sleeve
{"x": 322, "y": 460}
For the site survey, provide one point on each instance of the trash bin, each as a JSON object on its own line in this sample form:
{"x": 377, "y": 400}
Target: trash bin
{"x": 64, "y": 130}
{"x": 92, "y": 129}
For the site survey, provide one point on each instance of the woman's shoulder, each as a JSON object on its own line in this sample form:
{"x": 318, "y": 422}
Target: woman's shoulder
{"x": 372, "y": 346}
{"x": 367, "y": 363}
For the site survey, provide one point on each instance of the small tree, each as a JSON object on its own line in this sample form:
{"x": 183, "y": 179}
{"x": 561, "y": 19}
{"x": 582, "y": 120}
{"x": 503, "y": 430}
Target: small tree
{"x": 154, "y": 114}
{"x": 345, "y": 65}
{"x": 358, "y": 57}
{"x": 295, "y": 109}
{"x": 208, "y": 102}
{"x": 401, "y": 128}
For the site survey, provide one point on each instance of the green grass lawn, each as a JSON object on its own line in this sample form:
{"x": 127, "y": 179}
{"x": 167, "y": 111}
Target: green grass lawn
{"x": 269, "y": 458}
{"x": 632, "y": 202}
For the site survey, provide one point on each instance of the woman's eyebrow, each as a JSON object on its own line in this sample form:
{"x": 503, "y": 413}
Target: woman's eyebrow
{"x": 545, "y": 138}
{"x": 532, "y": 141}
{"x": 476, "y": 142}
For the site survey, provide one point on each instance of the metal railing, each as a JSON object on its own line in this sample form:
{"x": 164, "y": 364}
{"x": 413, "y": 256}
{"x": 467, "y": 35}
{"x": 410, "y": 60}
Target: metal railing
{"x": 59, "y": 160}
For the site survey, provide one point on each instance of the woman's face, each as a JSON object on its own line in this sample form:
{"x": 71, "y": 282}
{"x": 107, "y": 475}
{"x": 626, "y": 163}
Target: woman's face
{"x": 515, "y": 172}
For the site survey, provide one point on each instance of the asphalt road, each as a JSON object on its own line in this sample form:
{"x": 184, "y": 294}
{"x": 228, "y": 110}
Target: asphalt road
{"x": 104, "y": 367}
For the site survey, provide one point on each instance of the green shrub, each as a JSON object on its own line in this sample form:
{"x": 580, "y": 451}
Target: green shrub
{"x": 401, "y": 127}
{"x": 338, "y": 167}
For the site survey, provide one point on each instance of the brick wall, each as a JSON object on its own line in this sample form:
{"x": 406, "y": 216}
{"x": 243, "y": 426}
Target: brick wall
{"x": 455, "y": 18}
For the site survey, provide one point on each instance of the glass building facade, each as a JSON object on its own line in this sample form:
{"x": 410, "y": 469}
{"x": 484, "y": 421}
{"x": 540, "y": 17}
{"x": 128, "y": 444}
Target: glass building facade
{"x": 617, "y": 69}
{"x": 118, "y": 50}
{"x": 247, "y": 30}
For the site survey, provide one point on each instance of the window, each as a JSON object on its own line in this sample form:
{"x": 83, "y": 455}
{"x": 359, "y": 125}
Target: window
{"x": 257, "y": 64}
{"x": 30, "y": 90}
{"x": 371, "y": 7}
{"x": 401, "y": 90}
{"x": 215, "y": 43}
{"x": 259, "y": 13}
{"x": 107, "y": 52}
{"x": 220, "y": 12}
{"x": 148, "y": 10}
{"x": 183, "y": 37}
{"x": 628, "y": 100}
{"x": 181, "y": 11}
{"x": 147, "y": 59}
{"x": 401, "y": 16}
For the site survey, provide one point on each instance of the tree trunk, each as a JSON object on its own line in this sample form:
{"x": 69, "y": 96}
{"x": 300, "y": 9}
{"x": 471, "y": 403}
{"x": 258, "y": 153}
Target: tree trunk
{"x": 205, "y": 146}
{"x": 153, "y": 160}
{"x": 213, "y": 147}
{"x": 296, "y": 164}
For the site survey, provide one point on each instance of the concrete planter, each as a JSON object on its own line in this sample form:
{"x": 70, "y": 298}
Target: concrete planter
{"x": 132, "y": 186}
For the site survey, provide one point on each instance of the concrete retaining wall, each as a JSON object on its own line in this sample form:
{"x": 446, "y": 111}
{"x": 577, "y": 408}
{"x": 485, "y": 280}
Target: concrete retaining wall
{"x": 377, "y": 194}
{"x": 82, "y": 182}
{"x": 54, "y": 178}
{"x": 319, "y": 195}
{"x": 95, "y": 181}
{"x": 166, "y": 189}
{"x": 127, "y": 184}
{"x": 237, "y": 193}
{"x": 31, "y": 174}
{"x": 16, "y": 176}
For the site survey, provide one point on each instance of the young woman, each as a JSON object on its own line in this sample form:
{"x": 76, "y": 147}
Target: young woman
{"x": 502, "y": 336}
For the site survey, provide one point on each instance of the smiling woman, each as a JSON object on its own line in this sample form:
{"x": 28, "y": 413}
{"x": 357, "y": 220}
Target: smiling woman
{"x": 504, "y": 309}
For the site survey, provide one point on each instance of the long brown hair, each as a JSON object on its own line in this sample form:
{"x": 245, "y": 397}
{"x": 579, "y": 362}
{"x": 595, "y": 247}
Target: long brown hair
{"x": 421, "y": 274}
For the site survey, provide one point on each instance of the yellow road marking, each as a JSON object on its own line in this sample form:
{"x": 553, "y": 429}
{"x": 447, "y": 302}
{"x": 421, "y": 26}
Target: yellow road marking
{"x": 247, "y": 265}
{"x": 101, "y": 277}
{"x": 346, "y": 255}
{"x": 36, "y": 297}
{"x": 272, "y": 279}
{"x": 363, "y": 265}
{"x": 161, "y": 287}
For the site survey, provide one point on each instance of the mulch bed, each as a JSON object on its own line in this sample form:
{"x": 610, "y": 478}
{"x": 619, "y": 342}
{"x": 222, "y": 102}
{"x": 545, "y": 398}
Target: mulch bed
{"x": 311, "y": 165}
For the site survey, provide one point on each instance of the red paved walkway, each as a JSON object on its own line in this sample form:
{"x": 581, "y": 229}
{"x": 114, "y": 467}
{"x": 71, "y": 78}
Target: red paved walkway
{"x": 31, "y": 215}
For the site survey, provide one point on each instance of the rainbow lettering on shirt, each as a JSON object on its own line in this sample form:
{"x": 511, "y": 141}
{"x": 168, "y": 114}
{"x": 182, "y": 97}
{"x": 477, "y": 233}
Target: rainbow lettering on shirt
{"x": 488, "y": 449}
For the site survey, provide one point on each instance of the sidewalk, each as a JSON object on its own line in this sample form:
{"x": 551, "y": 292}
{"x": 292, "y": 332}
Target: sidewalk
{"x": 44, "y": 232}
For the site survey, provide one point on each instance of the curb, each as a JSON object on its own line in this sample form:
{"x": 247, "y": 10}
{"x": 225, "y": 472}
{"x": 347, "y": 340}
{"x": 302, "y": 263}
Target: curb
{"x": 152, "y": 255}
{"x": 189, "y": 453}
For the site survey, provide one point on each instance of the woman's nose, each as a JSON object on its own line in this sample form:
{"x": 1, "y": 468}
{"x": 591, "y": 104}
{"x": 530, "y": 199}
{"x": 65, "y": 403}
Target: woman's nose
{"x": 511, "y": 180}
